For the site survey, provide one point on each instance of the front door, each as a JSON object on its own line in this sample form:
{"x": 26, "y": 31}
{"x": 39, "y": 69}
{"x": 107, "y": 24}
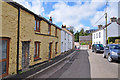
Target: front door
{"x": 4, "y": 54}
{"x": 25, "y": 55}
{"x": 50, "y": 50}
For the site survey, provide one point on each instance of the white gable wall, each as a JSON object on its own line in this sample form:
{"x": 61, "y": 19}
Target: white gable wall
{"x": 112, "y": 30}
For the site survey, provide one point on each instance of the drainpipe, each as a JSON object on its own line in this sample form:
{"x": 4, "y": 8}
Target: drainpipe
{"x": 18, "y": 34}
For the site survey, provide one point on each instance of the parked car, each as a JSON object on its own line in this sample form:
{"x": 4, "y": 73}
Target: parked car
{"x": 112, "y": 52}
{"x": 97, "y": 48}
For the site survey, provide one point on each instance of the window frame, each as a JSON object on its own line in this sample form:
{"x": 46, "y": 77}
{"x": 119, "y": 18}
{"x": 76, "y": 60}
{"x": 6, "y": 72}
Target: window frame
{"x": 99, "y": 34}
{"x": 35, "y": 50}
{"x": 94, "y": 36}
{"x": 56, "y": 45}
{"x": 7, "y": 57}
{"x": 37, "y": 25}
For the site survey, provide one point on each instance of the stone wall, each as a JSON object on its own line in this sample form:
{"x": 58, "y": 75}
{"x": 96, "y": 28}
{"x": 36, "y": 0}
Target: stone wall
{"x": 27, "y": 33}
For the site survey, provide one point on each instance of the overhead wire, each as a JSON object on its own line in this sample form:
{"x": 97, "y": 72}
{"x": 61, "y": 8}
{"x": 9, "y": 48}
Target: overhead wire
{"x": 102, "y": 15}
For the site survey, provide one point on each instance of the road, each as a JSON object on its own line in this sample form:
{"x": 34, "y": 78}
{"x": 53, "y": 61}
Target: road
{"x": 82, "y": 64}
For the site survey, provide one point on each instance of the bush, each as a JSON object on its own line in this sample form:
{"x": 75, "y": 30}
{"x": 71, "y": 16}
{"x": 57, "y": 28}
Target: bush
{"x": 112, "y": 39}
{"x": 83, "y": 43}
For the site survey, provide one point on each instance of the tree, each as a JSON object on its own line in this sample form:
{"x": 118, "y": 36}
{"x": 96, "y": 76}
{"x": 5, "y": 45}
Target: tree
{"x": 81, "y": 32}
{"x": 72, "y": 31}
{"x": 76, "y": 36}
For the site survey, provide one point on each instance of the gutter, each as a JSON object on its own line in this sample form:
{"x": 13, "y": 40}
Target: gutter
{"x": 18, "y": 35}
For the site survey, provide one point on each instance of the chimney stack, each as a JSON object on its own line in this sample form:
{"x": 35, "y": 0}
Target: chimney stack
{"x": 114, "y": 19}
{"x": 50, "y": 19}
{"x": 99, "y": 26}
{"x": 63, "y": 26}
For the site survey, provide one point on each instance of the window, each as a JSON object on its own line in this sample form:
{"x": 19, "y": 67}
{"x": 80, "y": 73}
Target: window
{"x": 56, "y": 31}
{"x": 99, "y": 34}
{"x": 49, "y": 29}
{"x": 56, "y": 47}
{"x": 37, "y": 50}
{"x": 37, "y": 25}
{"x": 94, "y": 36}
{"x": 4, "y": 49}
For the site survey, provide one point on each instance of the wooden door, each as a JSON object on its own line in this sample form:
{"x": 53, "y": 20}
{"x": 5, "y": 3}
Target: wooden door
{"x": 25, "y": 55}
{"x": 4, "y": 56}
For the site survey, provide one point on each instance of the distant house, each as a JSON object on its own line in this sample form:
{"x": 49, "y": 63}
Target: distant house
{"x": 67, "y": 39}
{"x": 85, "y": 39}
{"x": 113, "y": 30}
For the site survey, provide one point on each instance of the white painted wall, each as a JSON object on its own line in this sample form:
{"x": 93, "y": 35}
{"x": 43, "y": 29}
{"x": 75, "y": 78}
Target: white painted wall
{"x": 66, "y": 41}
{"x": 98, "y": 37}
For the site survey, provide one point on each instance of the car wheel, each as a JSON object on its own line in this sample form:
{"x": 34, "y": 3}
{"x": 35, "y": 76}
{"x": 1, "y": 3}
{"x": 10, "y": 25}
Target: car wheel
{"x": 109, "y": 58}
{"x": 104, "y": 56}
{"x": 92, "y": 50}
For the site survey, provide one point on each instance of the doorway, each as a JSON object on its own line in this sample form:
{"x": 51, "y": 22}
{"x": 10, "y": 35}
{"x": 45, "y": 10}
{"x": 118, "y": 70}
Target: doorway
{"x": 50, "y": 50}
{"x": 25, "y": 55}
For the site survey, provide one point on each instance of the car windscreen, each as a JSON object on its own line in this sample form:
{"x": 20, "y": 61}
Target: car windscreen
{"x": 99, "y": 45}
{"x": 115, "y": 47}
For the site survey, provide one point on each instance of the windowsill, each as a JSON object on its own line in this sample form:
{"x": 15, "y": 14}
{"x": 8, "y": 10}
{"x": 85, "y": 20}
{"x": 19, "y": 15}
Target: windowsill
{"x": 37, "y": 31}
{"x": 37, "y": 59}
{"x": 45, "y": 34}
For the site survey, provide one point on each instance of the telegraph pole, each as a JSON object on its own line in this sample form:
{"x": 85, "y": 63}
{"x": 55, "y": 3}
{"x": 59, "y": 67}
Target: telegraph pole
{"x": 106, "y": 27}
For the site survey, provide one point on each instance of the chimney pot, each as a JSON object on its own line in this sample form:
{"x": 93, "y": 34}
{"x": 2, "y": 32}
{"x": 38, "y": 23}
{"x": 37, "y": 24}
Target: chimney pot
{"x": 63, "y": 26}
{"x": 50, "y": 19}
{"x": 99, "y": 26}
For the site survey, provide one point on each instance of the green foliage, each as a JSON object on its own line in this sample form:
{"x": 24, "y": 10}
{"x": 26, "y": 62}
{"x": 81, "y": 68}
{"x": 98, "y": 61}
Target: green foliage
{"x": 81, "y": 33}
{"x": 72, "y": 31}
{"x": 112, "y": 39}
{"x": 76, "y": 36}
{"x": 83, "y": 43}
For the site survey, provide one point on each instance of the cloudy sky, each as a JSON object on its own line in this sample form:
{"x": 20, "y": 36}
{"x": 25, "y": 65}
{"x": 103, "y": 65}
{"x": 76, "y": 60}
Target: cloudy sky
{"x": 76, "y": 13}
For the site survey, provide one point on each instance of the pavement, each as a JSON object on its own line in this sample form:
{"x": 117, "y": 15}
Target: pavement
{"x": 101, "y": 68}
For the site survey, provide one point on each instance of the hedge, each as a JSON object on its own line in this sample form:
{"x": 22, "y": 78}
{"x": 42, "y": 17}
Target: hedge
{"x": 112, "y": 39}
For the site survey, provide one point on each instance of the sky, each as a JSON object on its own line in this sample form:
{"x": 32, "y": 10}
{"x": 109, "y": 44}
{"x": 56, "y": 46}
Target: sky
{"x": 76, "y": 13}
